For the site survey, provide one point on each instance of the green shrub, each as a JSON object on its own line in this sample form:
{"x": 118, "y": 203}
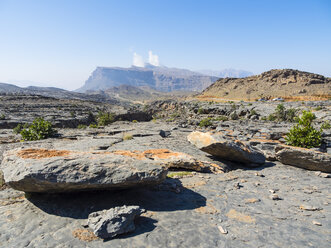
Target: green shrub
{"x": 2, "y": 117}
{"x": 205, "y": 123}
{"x": 81, "y": 126}
{"x": 72, "y": 114}
{"x": 318, "y": 108}
{"x": 250, "y": 104}
{"x": 326, "y": 125}
{"x": 134, "y": 121}
{"x": 20, "y": 127}
{"x": 105, "y": 119}
{"x": 39, "y": 129}
{"x": 93, "y": 125}
{"x": 304, "y": 134}
{"x": 283, "y": 114}
{"x": 200, "y": 111}
{"x": 253, "y": 112}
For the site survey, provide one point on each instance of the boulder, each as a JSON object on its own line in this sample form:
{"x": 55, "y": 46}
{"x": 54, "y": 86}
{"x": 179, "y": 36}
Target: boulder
{"x": 115, "y": 221}
{"x": 171, "y": 159}
{"x": 233, "y": 150}
{"x": 42, "y": 170}
{"x": 304, "y": 158}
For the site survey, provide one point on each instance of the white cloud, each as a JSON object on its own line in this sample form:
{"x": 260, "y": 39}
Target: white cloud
{"x": 138, "y": 60}
{"x": 153, "y": 59}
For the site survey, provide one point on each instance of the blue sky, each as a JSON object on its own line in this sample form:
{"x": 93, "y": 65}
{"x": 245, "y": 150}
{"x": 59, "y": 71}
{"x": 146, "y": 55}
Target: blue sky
{"x": 59, "y": 43}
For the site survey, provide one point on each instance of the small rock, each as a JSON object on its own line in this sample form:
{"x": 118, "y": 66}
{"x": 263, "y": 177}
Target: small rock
{"x": 237, "y": 186}
{"x": 322, "y": 174}
{"x": 164, "y": 134}
{"x": 317, "y": 223}
{"x": 222, "y": 230}
{"x": 259, "y": 174}
{"x": 112, "y": 222}
{"x": 274, "y": 197}
{"x": 309, "y": 208}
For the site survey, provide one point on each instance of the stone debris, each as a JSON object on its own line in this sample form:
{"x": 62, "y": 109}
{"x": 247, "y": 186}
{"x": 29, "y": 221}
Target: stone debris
{"x": 115, "y": 221}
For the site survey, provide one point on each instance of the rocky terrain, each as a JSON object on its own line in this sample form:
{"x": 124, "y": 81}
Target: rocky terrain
{"x": 195, "y": 174}
{"x": 287, "y": 84}
{"x": 159, "y": 78}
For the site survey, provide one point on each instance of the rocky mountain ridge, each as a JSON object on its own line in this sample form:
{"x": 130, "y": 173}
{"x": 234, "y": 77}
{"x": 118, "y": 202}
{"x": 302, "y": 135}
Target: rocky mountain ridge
{"x": 285, "y": 83}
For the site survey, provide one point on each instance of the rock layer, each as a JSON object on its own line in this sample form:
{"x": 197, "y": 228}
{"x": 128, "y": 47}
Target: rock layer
{"x": 226, "y": 149}
{"x": 42, "y": 170}
{"x": 304, "y": 158}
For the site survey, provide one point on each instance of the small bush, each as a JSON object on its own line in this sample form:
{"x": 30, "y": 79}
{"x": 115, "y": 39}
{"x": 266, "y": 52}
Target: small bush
{"x": 81, "y": 126}
{"x": 283, "y": 114}
{"x": 200, "y": 111}
{"x": 250, "y": 104}
{"x": 326, "y": 125}
{"x": 20, "y": 127}
{"x": 93, "y": 125}
{"x": 39, "y": 129}
{"x": 105, "y": 119}
{"x": 253, "y": 112}
{"x": 205, "y": 123}
{"x": 318, "y": 108}
{"x": 304, "y": 134}
{"x": 127, "y": 136}
{"x": 73, "y": 114}
{"x": 2, "y": 117}
{"x": 134, "y": 121}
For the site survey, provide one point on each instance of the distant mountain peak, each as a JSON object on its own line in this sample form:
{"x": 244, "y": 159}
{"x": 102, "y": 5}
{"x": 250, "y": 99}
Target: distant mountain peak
{"x": 159, "y": 78}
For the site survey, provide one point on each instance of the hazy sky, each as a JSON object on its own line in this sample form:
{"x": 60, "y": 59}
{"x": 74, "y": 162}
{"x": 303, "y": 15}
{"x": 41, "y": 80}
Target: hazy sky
{"x": 59, "y": 43}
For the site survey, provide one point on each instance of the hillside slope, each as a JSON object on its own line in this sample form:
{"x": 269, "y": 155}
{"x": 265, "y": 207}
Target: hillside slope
{"x": 286, "y": 83}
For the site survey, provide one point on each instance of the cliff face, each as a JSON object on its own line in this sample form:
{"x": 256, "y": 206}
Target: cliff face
{"x": 285, "y": 83}
{"x": 159, "y": 78}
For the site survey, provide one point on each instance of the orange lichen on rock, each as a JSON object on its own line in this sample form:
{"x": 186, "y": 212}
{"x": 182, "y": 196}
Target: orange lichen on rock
{"x": 161, "y": 153}
{"x": 36, "y": 153}
{"x": 133, "y": 154}
{"x": 84, "y": 235}
{"x": 152, "y": 153}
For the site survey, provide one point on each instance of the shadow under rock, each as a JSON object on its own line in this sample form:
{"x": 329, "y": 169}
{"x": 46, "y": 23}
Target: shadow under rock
{"x": 80, "y": 205}
{"x": 230, "y": 165}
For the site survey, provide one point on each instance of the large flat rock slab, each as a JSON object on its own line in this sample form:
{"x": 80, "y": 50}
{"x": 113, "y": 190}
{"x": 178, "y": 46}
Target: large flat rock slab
{"x": 304, "y": 158}
{"x": 43, "y": 170}
{"x": 233, "y": 150}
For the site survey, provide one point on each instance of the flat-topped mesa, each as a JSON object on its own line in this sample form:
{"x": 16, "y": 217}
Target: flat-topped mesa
{"x": 51, "y": 171}
{"x": 229, "y": 150}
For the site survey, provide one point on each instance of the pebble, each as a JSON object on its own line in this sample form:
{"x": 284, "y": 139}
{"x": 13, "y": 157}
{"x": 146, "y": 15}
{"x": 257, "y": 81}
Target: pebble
{"x": 317, "y": 223}
{"x": 274, "y": 197}
{"x": 222, "y": 230}
{"x": 309, "y": 208}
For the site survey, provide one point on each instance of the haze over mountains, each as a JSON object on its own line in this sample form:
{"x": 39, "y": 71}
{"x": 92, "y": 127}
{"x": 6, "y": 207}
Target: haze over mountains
{"x": 159, "y": 78}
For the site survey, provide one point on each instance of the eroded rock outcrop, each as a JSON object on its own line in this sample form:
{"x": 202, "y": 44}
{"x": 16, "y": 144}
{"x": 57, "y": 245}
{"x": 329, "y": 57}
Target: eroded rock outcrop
{"x": 233, "y": 150}
{"x": 42, "y": 170}
{"x": 304, "y": 158}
